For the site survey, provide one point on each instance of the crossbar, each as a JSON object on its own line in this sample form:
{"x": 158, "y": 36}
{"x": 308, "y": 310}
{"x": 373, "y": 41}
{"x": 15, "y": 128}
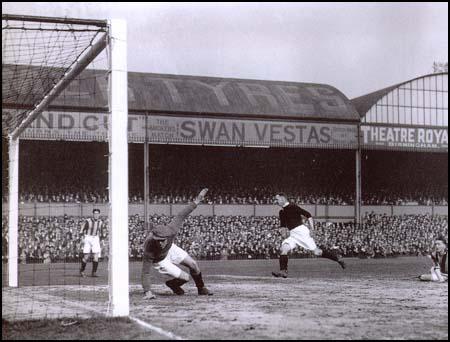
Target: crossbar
{"x": 70, "y": 21}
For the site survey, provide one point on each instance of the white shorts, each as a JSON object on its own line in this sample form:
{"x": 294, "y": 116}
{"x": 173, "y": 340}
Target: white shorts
{"x": 91, "y": 244}
{"x": 168, "y": 266}
{"x": 300, "y": 236}
{"x": 436, "y": 275}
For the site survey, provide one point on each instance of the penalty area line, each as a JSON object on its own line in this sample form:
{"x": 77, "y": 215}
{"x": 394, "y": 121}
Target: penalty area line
{"x": 156, "y": 329}
{"x": 244, "y": 277}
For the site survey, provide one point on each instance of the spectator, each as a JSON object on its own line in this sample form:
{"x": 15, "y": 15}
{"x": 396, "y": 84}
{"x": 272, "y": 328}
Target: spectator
{"x": 46, "y": 256}
{"x": 216, "y": 237}
{"x": 234, "y": 176}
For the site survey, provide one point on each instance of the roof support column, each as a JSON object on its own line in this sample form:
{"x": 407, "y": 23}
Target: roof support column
{"x": 358, "y": 179}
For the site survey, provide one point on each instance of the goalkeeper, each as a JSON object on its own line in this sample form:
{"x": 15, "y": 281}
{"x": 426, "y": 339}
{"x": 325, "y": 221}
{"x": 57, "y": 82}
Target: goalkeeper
{"x": 161, "y": 253}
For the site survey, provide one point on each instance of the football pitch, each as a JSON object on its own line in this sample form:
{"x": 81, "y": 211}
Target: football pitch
{"x": 371, "y": 299}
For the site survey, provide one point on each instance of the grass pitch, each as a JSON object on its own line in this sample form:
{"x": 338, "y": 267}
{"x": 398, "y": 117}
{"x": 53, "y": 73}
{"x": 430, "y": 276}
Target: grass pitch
{"x": 371, "y": 299}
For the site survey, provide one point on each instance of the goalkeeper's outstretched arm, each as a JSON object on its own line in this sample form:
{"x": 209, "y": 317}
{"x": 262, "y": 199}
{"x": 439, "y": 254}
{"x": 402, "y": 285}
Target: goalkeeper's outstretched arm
{"x": 178, "y": 220}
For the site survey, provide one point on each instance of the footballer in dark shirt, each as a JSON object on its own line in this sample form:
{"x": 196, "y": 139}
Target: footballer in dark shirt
{"x": 439, "y": 271}
{"x": 161, "y": 253}
{"x": 291, "y": 217}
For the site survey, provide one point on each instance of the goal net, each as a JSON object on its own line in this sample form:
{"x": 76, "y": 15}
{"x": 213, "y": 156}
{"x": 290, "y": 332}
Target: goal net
{"x": 55, "y": 73}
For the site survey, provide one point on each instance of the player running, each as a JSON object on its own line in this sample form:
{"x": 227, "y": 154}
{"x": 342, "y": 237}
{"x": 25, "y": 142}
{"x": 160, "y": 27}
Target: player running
{"x": 161, "y": 253}
{"x": 92, "y": 230}
{"x": 291, "y": 218}
{"x": 439, "y": 271}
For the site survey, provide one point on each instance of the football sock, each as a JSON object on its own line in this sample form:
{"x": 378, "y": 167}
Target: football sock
{"x": 283, "y": 262}
{"x": 83, "y": 266}
{"x": 329, "y": 255}
{"x": 176, "y": 282}
{"x": 94, "y": 266}
{"x": 198, "y": 280}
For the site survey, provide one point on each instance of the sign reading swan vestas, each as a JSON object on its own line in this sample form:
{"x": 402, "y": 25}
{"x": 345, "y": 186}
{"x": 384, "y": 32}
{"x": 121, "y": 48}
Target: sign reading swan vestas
{"x": 432, "y": 138}
{"x": 189, "y": 130}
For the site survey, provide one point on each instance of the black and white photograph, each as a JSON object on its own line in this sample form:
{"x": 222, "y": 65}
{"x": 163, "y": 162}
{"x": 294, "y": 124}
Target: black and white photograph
{"x": 224, "y": 171}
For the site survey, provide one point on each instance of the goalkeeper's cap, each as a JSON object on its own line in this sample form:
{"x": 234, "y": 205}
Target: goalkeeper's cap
{"x": 96, "y": 211}
{"x": 161, "y": 232}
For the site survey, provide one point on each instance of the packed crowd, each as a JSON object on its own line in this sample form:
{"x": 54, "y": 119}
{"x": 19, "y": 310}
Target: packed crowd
{"x": 256, "y": 195}
{"x": 233, "y": 195}
{"x": 52, "y": 239}
{"x": 78, "y": 173}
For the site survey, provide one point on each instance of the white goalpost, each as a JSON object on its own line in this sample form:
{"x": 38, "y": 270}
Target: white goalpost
{"x": 118, "y": 147}
{"x": 13, "y": 213}
{"x": 31, "y": 84}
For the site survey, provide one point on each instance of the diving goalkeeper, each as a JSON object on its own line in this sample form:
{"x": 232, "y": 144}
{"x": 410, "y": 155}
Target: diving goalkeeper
{"x": 161, "y": 253}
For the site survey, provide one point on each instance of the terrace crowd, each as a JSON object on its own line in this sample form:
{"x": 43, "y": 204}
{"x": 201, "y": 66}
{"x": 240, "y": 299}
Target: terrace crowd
{"x": 53, "y": 239}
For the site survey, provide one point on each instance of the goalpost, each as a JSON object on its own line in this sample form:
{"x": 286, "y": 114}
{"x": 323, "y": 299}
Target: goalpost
{"x": 41, "y": 56}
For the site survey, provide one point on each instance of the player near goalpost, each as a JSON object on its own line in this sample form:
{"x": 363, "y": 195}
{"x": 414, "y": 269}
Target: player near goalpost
{"x": 161, "y": 253}
{"x": 299, "y": 235}
{"x": 92, "y": 229}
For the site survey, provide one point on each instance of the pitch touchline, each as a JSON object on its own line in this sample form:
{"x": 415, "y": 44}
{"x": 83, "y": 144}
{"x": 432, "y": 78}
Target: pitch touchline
{"x": 242, "y": 277}
{"x": 87, "y": 308}
{"x": 158, "y": 330}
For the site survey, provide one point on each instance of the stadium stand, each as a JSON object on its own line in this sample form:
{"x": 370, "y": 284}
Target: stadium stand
{"x": 235, "y": 237}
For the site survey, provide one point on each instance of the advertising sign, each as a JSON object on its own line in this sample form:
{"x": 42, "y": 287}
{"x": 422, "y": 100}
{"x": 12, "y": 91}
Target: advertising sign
{"x": 190, "y": 130}
{"x": 405, "y": 137}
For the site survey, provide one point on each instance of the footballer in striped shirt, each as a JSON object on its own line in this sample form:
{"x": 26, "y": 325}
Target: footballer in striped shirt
{"x": 92, "y": 230}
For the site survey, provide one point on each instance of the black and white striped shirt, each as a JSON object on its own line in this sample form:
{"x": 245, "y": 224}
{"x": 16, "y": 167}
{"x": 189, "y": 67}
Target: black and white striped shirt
{"x": 92, "y": 227}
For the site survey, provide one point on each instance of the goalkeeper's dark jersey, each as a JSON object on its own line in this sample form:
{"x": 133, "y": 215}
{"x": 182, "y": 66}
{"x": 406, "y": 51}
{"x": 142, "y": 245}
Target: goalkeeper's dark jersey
{"x": 157, "y": 249}
{"x": 291, "y": 216}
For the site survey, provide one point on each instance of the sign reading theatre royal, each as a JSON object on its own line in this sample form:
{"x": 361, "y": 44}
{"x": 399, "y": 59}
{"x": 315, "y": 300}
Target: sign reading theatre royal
{"x": 430, "y": 138}
{"x": 169, "y": 129}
